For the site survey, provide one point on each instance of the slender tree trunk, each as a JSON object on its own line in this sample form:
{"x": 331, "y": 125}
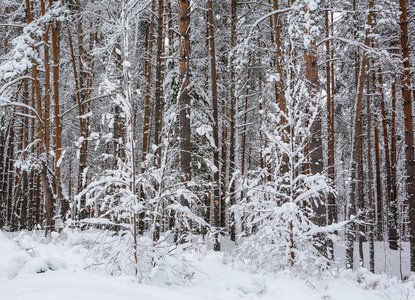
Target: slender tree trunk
{"x": 216, "y": 199}
{"x": 40, "y": 127}
{"x": 243, "y": 155}
{"x": 25, "y": 179}
{"x": 8, "y": 180}
{"x": 158, "y": 94}
{"x": 170, "y": 26}
{"x": 232, "y": 125}
{"x": 2, "y": 171}
{"x": 360, "y": 187}
{"x": 148, "y": 65}
{"x": 57, "y": 118}
{"x": 280, "y": 83}
{"x": 4, "y": 174}
{"x": 32, "y": 174}
{"x": 146, "y": 125}
{"x": 371, "y": 203}
{"x": 55, "y": 70}
{"x": 47, "y": 81}
{"x": 3, "y": 166}
{"x": 331, "y": 201}
{"x": 83, "y": 108}
{"x": 394, "y": 192}
{"x": 184, "y": 96}
{"x": 49, "y": 201}
{"x": 82, "y": 123}
{"x": 409, "y": 126}
{"x": 392, "y": 209}
{"x": 224, "y": 163}
{"x": 315, "y": 142}
{"x": 38, "y": 101}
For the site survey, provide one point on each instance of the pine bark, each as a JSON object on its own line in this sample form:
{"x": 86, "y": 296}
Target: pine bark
{"x": 409, "y": 126}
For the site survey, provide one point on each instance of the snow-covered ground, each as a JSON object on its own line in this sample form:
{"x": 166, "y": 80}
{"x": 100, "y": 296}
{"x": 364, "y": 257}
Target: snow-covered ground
{"x": 32, "y": 269}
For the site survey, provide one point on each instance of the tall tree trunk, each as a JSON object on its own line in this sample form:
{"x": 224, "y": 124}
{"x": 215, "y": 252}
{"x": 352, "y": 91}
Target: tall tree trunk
{"x": 82, "y": 109}
{"x": 216, "y": 199}
{"x": 55, "y": 70}
{"x": 148, "y": 65}
{"x": 243, "y": 154}
{"x": 146, "y": 125}
{"x": 371, "y": 214}
{"x": 184, "y": 96}
{"x": 57, "y": 117}
{"x": 38, "y": 98}
{"x": 409, "y": 126}
{"x": 3, "y": 167}
{"x": 2, "y": 171}
{"x": 392, "y": 208}
{"x": 280, "y": 84}
{"x": 379, "y": 193}
{"x": 379, "y": 190}
{"x": 8, "y": 178}
{"x": 47, "y": 81}
{"x": 49, "y": 201}
{"x": 224, "y": 162}
{"x": 394, "y": 192}
{"x": 315, "y": 142}
{"x": 25, "y": 179}
{"x": 232, "y": 170}
{"x": 170, "y": 26}
{"x": 158, "y": 94}
{"x": 331, "y": 201}
{"x": 82, "y": 91}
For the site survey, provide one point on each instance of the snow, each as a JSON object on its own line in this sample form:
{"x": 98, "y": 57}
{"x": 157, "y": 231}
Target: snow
{"x": 312, "y": 6}
{"x": 33, "y": 267}
{"x": 126, "y": 64}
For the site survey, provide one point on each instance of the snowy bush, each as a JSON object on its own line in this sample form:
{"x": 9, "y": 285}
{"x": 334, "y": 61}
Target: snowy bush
{"x": 278, "y": 218}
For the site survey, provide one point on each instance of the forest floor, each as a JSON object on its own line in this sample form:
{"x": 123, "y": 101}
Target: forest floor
{"x": 32, "y": 269}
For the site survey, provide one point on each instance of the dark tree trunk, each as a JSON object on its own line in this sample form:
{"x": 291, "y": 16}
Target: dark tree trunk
{"x": 159, "y": 93}
{"x": 216, "y": 199}
{"x": 184, "y": 96}
{"x": 232, "y": 228}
